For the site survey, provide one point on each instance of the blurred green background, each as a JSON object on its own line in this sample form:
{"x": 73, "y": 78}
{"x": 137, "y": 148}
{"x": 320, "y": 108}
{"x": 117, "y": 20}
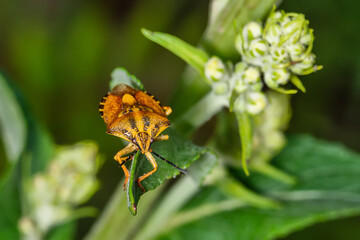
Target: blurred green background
{"x": 61, "y": 54}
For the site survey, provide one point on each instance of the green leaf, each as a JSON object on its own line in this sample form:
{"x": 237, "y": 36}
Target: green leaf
{"x": 36, "y": 151}
{"x": 328, "y": 188}
{"x": 12, "y": 122}
{"x": 245, "y": 131}
{"x": 177, "y": 150}
{"x": 121, "y": 75}
{"x": 195, "y": 57}
{"x": 297, "y": 82}
{"x": 220, "y": 33}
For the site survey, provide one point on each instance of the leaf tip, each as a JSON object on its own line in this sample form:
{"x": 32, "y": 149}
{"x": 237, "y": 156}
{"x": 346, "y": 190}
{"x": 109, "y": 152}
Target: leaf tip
{"x": 146, "y": 32}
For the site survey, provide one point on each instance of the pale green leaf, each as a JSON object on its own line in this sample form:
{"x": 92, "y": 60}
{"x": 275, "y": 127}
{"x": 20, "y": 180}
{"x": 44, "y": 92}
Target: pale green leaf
{"x": 121, "y": 75}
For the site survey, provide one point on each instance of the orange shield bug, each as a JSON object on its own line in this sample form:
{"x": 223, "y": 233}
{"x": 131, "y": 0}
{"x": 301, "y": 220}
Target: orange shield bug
{"x": 139, "y": 118}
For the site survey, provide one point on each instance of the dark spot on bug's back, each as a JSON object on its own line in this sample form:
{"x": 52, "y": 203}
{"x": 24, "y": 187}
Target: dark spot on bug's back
{"x": 146, "y": 121}
{"x": 133, "y": 124}
{"x": 127, "y": 133}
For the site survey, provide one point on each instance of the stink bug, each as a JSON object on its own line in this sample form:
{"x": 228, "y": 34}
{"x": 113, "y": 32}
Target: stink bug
{"x": 138, "y": 118}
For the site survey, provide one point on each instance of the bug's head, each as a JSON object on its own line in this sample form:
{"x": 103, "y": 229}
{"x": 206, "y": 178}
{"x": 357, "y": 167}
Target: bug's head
{"x": 143, "y": 141}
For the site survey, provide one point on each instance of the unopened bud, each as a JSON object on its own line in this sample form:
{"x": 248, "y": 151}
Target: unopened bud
{"x": 255, "y": 102}
{"x": 279, "y": 55}
{"x": 275, "y": 77}
{"x": 214, "y": 69}
{"x": 305, "y": 66}
{"x": 251, "y": 31}
{"x": 251, "y": 75}
{"x": 258, "y": 48}
{"x": 273, "y": 33}
{"x": 296, "y": 51}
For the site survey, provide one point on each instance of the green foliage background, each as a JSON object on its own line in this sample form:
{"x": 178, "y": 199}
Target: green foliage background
{"x": 60, "y": 54}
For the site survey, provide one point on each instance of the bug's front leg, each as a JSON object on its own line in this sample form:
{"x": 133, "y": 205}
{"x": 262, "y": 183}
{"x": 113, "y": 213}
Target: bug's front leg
{"x": 120, "y": 159}
{"x": 152, "y": 160}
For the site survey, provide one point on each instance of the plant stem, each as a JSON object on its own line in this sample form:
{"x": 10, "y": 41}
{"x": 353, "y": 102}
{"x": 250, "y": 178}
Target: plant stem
{"x": 116, "y": 215}
{"x": 201, "y": 112}
{"x": 179, "y": 194}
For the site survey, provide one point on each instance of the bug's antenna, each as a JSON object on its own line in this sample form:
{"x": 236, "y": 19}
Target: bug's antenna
{"x": 180, "y": 169}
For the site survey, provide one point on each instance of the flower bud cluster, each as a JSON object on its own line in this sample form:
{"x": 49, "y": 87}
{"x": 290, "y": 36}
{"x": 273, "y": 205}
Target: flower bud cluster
{"x": 272, "y": 55}
{"x": 281, "y": 48}
{"x": 247, "y": 83}
{"x": 69, "y": 181}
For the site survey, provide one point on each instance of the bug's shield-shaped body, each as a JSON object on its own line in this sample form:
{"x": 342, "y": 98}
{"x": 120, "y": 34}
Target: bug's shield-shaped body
{"x": 137, "y": 117}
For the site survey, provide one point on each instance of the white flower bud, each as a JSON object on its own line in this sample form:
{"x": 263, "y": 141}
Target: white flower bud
{"x": 306, "y": 39}
{"x": 296, "y": 51}
{"x": 258, "y": 48}
{"x": 48, "y": 215}
{"x": 279, "y": 55}
{"x": 251, "y": 75}
{"x": 275, "y": 16}
{"x": 304, "y": 66}
{"x": 214, "y": 69}
{"x": 255, "y": 102}
{"x": 251, "y": 31}
{"x": 273, "y": 34}
{"x": 275, "y": 77}
{"x": 240, "y": 85}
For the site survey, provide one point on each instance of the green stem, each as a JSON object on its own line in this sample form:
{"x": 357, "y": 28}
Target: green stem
{"x": 202, "y": 212}
{"x": 116, "y": 216}
{"x": 273, "y": 172}
{"x": 179, "y": 194}
{"x": 201, "y": 112}
{"x": 235, "y": 189}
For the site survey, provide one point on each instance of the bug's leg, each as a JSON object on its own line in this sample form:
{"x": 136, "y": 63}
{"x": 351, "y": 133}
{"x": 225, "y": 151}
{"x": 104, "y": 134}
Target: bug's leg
{"x": 120, "y": 159}
{"x": 167, "y": 110}
{"x": 153, "y": 163}
{"x": 162, "y": 138}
